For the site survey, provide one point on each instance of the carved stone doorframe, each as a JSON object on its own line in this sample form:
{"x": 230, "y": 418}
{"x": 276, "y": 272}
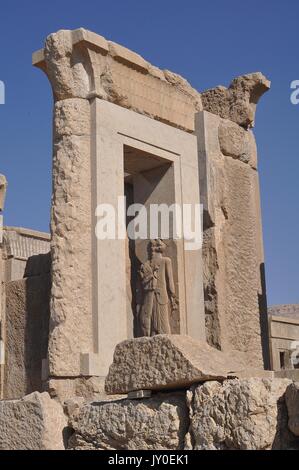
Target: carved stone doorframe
{"x": 113, "y": 128}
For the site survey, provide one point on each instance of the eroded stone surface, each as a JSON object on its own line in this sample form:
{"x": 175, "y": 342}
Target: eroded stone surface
{"x": 33, "y": 423}
{"x": 237, "y": 142}
{"x": 71, "y": 296}
{"x": 164, "y": 361}
{"x": 233, "y": 259}
{"x": 157, "y": 423}
{"x": 292, "y": 400}
{"x": 82, "y": 64}
{"x": 238, "y": 101}
{"x": 26, "y": 335}
{"x": 247, "y": 414}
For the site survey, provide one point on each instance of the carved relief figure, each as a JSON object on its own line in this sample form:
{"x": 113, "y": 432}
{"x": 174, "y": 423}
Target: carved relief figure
{"x": 158, "y": 292}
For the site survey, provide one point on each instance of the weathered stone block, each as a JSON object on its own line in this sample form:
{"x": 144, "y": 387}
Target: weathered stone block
{"x": 245, "y": 414}
{"x": 164, "y": 362}
{"x": 238, "y": 101}
{"x": 89, "y": 388}
{"x": 292, "y": 400}
{"x": 158, "y": 423}
{"x": 33, "y": 423}
{"x": 26, "y": 334}
{"x": 237, "y": 142}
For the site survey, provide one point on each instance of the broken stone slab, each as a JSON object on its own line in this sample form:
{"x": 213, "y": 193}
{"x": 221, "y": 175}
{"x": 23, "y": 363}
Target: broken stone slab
{"x": 292, "y": 401}
{"x": 165, "y": 362}
{"x": 33, "y": 423}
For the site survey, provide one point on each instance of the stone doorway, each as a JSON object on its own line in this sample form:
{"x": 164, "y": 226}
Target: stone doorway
{"x": 161, "y": 165}
{"x": 149, "y": 180}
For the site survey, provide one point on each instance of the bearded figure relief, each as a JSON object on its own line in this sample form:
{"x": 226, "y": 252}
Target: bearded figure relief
{"x": 159, "y": 298}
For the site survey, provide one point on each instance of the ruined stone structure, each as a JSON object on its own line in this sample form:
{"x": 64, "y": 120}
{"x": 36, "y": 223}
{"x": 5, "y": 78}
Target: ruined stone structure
{"x": 115, "y": 114}
{"x": 284, "y": 336}
{"x": 19, "y": 246}
{"x": 24, "y": 320}
{"x": 183, "y": 331}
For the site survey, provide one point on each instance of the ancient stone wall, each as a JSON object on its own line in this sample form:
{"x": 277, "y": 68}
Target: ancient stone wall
{"x": 26, "y": 335}
{"x": 20, "y": 244}
{"x": 248, "y": 414}
{"x": 284, "y": 336}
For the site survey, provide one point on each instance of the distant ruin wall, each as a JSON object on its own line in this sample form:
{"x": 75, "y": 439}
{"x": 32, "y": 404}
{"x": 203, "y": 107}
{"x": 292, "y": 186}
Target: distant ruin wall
{"x": 26, "y": 334}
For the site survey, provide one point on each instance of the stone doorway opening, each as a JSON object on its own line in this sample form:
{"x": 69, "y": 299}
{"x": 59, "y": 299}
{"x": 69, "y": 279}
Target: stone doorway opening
{"x": 149, "y": 181}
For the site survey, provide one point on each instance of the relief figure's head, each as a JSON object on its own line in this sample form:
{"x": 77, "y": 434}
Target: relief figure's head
{"x": 157, "y": 246}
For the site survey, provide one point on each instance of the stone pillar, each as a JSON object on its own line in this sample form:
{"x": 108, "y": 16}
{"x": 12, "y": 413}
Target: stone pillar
{"x": 88, "y": 317}
{"x": 234, "y": 283}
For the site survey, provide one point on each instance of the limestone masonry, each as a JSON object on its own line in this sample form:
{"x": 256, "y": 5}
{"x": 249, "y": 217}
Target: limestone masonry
{"x": 115, "y": 343}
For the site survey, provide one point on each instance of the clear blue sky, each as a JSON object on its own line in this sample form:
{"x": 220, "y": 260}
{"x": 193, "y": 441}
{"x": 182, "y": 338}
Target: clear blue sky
{"x": 209, "y": 43}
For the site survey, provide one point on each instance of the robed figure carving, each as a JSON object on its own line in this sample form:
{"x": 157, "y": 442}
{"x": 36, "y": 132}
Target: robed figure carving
{"x": 158, "y": 292}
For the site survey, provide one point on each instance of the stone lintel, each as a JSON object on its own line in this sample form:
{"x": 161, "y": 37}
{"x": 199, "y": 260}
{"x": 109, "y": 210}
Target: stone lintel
{"x": 122, "y": 76}
{"x": 99, "y": 43}
{"x": 82, "y": 64}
